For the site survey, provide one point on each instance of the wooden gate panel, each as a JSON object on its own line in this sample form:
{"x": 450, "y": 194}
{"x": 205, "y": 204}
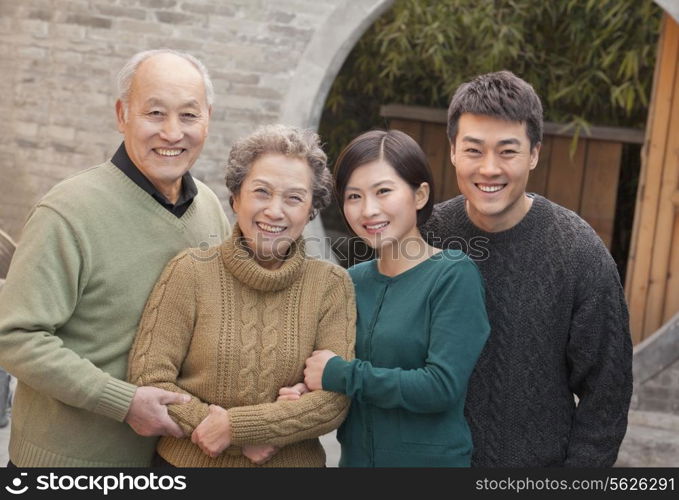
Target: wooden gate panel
{"x": 600, "y": 188}
{"x": 537, "y": 181}
{"x": 435, "y": 145}
{"x": 658, "y": 309}
{"x": 410, "y": 127}
{"x": 642, "y": 287}
{"x": 672, "y": 297}
{"x": 564, "y": 185}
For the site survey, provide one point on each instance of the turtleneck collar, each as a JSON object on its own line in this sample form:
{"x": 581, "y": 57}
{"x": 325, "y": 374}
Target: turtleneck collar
{"x": 238, "y": 259}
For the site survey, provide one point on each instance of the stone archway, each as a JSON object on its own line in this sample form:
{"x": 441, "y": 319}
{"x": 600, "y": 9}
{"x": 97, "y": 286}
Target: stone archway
{"x": 317, "y": 70}
{"x": 323, "y": 58}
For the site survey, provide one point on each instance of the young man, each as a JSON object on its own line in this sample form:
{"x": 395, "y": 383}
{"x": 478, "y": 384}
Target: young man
{"x": 90, "y": 253}
{"x": 553, "y": 384}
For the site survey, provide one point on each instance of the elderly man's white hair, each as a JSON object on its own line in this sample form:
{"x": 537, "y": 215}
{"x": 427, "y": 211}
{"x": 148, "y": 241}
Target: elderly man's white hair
{"x": 126, "y": 74}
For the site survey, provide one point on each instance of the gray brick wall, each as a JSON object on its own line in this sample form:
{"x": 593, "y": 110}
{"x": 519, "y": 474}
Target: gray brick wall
{"x": 59, "y": 58}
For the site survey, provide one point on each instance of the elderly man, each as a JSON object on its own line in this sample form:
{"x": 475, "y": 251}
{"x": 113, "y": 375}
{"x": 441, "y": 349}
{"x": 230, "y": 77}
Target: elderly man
{"x": 90, "y": 253}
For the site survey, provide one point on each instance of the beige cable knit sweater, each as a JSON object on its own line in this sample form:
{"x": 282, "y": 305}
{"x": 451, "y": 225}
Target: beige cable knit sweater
{"x": 227, "y": 331}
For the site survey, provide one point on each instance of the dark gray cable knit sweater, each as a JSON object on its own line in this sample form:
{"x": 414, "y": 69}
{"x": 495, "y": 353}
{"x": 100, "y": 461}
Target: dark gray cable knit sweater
{"x": 559, "y": 327}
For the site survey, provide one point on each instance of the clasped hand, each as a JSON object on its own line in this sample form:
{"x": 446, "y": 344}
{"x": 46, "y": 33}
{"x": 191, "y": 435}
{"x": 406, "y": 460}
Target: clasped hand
{"x": 315, "y": 364}
{"x": 213, "y": 434}
{"x": 148, "y": 415}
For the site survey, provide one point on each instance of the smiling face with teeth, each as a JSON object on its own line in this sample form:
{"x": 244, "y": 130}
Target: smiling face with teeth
{"x": 274, "y": 205}
{"x": 492, "y": 159}
{"x": 165, "y": 121}
{"x": 381, "y": 207}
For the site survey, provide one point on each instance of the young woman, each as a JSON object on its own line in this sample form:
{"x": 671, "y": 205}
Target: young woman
{"x": 421, "y": 318}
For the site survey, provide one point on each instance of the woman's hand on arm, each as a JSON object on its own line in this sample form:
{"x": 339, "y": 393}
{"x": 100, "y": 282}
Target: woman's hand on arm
{"x": 213, "y": 434}
{"x": 292, "y": 393}
{"x": 259, "y": 454}
{"x": 315, "y": 364}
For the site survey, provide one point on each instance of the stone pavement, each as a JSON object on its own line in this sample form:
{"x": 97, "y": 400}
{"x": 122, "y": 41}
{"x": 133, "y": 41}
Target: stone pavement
{"x": 4, "y": 443}
{"x": 652, "y": 440}
{"x": 4, "y": 436}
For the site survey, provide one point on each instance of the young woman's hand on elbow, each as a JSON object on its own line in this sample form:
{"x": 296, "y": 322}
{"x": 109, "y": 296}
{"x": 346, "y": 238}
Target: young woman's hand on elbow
{"x": 313, "y": 371}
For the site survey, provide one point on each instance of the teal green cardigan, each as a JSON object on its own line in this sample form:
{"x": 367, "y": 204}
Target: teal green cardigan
{"x": 418, "y": 336}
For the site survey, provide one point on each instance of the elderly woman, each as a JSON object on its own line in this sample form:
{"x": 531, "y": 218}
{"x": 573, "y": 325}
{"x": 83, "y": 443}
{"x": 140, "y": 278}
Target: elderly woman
{"x": 230, "y": 325}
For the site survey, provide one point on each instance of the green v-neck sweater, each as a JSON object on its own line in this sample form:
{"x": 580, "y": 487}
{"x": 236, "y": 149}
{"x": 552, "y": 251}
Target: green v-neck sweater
{"x": 89, "y": 255}
{"x": 418, "y": 336}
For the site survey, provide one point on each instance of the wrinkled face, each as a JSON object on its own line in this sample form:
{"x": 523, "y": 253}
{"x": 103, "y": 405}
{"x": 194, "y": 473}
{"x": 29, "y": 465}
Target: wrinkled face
{"x": 381, "y": 207}
{"x": 165, "y": 122}
{"x": 274, "y": 205}
{"x": 492, "y": 159}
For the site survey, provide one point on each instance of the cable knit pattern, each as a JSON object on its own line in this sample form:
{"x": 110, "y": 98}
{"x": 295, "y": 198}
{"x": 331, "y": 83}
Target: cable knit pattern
{"x": 559, "y": 326}
{"x": 226, "y": 331}
{"x": 248, "y": 328}
{"x": 267, "y": 360}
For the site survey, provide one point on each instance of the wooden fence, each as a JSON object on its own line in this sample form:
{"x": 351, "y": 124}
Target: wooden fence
{"x": 653, "y": 270}
{"x": 585, "y": 182}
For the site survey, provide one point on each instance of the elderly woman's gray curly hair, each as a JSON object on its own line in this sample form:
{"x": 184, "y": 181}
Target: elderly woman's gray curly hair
{"x": 288, "y": 141}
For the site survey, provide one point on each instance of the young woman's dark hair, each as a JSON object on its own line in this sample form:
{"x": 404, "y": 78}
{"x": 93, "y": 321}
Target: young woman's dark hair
{"x": 397, "y": 149}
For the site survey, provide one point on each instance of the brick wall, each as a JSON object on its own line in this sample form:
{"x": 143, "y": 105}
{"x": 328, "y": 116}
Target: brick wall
{"x": 59, "y": 59}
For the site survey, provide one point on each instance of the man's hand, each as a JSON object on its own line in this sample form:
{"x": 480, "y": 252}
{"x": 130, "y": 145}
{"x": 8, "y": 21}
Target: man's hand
{"x": 148, "y": 412}
{"x": 315, "y": 364}
{"x": 259, "y": 453}
{"x": 292, "y": 393}
{"x": 213, "y": 434}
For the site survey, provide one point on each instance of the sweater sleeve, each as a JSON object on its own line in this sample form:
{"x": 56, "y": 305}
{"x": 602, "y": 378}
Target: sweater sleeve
{"x": 459, "y": 329}
{"x": 315, "y": 413}
{"x": 47, "y": 277}
{"x": 599, "y": 355}
{"x": 163, "y": 339}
